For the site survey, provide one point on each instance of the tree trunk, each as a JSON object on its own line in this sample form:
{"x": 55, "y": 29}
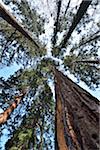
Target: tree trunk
{"x": 80, "y": 13}
{"x": 56, "y": 29}
{"x": 5, "y": 115}
{"x": 77, "y": 116}
{"x": 12, "y": 21}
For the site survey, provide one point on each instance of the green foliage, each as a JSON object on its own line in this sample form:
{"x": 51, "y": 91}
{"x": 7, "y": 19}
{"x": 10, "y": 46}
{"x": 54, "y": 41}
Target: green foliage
{"x": 37, "y": 129}
{"x": 89, "y": 73}
{"x": 13, "y": 42}
{"x": 39, "y": 121}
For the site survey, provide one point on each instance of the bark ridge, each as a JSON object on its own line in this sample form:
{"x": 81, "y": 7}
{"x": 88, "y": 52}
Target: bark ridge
{"x": 77, "y": 116}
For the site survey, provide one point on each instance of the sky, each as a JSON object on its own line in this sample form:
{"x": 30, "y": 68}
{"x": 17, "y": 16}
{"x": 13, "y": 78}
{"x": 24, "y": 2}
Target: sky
{"x": 7, "y": 71}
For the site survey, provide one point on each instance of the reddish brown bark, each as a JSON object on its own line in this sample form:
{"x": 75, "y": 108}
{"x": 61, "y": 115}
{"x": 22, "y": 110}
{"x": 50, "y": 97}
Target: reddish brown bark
{"x": 12, "y": 21}
{"x": 60, "y": 127}
{"x": 77, "y": 116}
{"x": 4, "y": 116}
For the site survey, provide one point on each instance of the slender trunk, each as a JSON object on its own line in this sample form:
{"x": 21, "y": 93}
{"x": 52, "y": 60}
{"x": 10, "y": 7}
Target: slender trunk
{"x": 4, "y": 116}
{"x": 56, "y": 29}
{"x": 67, "y": 8}
{"x": 77, "y": 116}
{"x": 81, "y": 11}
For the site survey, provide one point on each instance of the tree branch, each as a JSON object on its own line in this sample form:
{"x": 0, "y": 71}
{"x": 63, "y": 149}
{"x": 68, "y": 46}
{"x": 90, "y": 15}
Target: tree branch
{"x": 88, "y": 61}
{"x": 90, "y": 39}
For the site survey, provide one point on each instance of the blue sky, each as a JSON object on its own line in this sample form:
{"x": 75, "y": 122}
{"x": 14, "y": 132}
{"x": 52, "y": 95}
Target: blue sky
{"x": 7, "y": 71}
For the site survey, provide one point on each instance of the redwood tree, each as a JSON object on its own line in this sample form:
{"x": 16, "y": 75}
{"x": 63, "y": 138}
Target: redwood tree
{"x": 77, "y": 120}
{"x": 77, "y": 116}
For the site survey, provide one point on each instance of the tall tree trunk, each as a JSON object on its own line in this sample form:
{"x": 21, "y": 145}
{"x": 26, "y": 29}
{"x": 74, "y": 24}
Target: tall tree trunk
{"x": 12, "y": 21}
{"x": 77, "y": 116}
{"x": 80, "y": 13}
{"x": 56, "y": 24}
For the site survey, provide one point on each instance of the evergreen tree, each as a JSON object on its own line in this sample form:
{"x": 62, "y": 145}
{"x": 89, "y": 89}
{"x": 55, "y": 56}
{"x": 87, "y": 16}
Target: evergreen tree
{"x": 22, "y": 29}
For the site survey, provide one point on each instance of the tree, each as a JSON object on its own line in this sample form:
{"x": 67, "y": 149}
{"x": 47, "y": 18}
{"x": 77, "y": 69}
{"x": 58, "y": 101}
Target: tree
{"x": 21, "y": 42}
{"x": 77, "y": 116}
